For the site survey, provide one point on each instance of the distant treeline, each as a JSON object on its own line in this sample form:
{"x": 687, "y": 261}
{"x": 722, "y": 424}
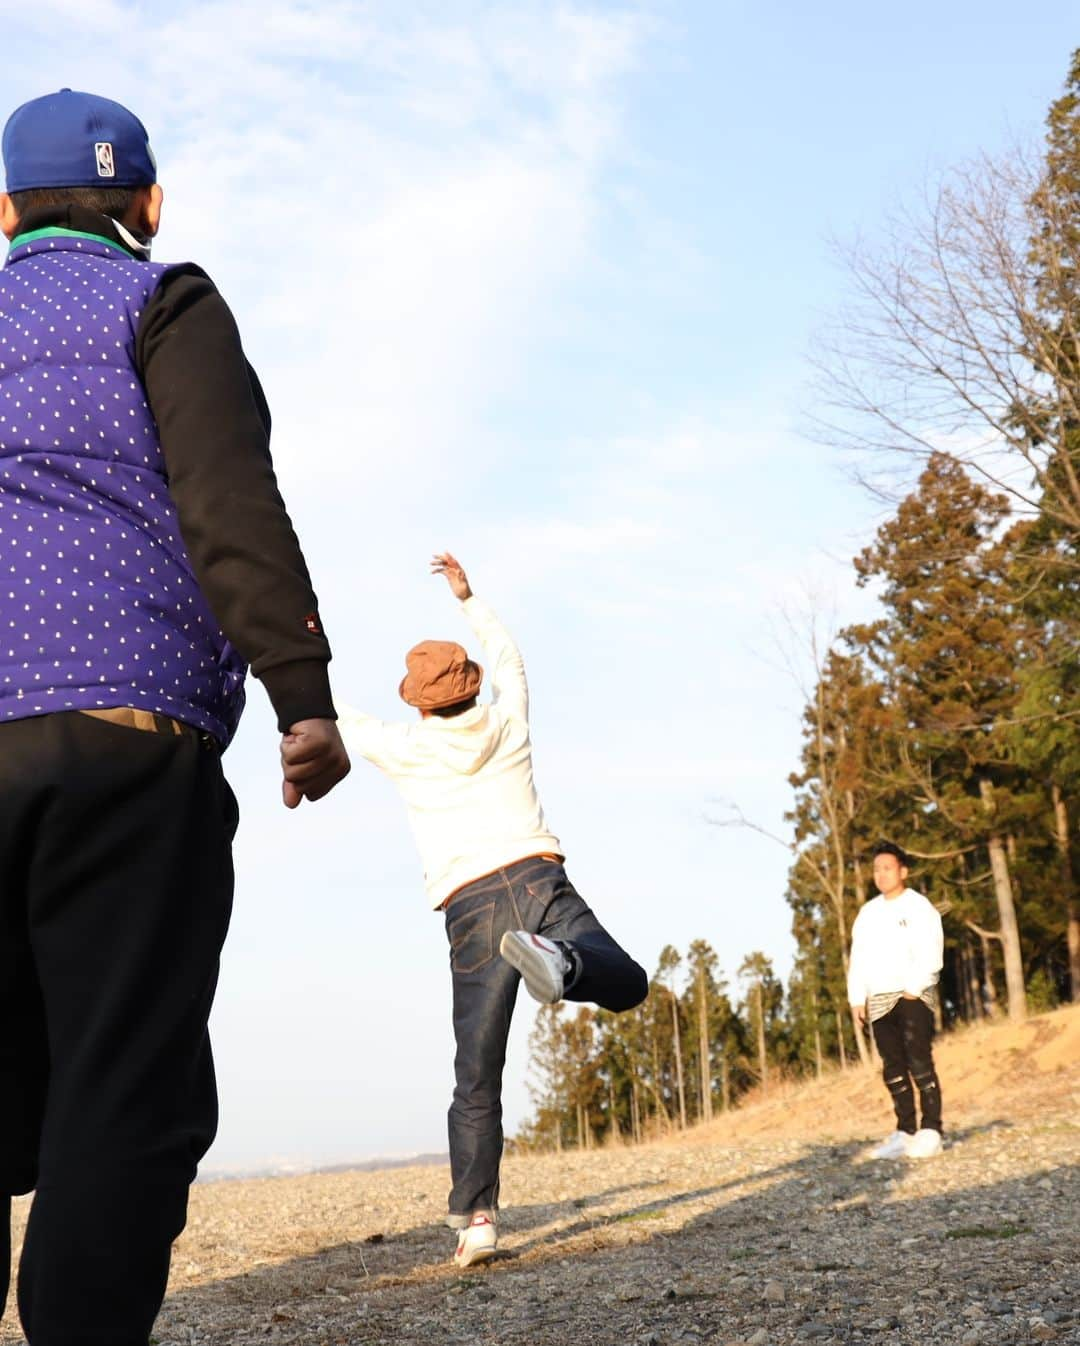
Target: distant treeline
{"x": 951, "y": 724}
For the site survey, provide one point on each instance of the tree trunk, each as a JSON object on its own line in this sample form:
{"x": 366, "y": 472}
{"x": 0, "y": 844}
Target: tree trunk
{"x": 972, "y": 990}
{"x": 963, "y": 989}
{"x": 1068, "y": 889}
{"x": 817, "y": 1051}
{"x": 635, "y": 1113}
{"x": 763, "y": 1063}
{"x": 678, "y": 1061}
{"x": 860, "y": 1041}
{"x": 865, "y": 1050}
{"x": 703, "y": 1049}
{"x": 661, "y": 1106}
{"x": 725, "y": 1081}
{"x": 1007, "y": 926}
{"x": 989, "y": 987}
{"x": 840, "y": 1040}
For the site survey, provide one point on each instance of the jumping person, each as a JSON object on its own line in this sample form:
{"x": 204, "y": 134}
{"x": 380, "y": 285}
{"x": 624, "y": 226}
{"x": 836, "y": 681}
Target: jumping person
{"x": 896, "y": 956}
{"x": 491, "y": 863}
{"x": 147, "y": 559}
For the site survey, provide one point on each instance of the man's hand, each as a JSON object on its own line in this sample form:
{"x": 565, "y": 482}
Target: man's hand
{"x": 859, "y": 1011}
{"x": 442, "y": 563}
{"x": 313, "y": 760}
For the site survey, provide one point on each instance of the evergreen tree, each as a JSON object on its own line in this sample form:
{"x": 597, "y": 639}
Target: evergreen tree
{"x": 948, "y": 653}
{"x": 764, "y": 1000}
{"x": 665, "y": 977}
{"x": 705, "y": 992}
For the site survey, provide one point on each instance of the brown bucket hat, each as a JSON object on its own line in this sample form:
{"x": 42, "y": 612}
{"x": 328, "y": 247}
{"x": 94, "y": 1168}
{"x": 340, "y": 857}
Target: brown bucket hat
{"x": 440, "y": 674}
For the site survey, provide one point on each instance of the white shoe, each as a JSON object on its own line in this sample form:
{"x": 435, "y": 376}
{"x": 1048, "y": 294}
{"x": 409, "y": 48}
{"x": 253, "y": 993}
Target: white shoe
{"x": 894, "y": 1146}
{"x": 924, "y": 1144}
{"x": 477, "y": 1241}
{"x": 541, "y": 962}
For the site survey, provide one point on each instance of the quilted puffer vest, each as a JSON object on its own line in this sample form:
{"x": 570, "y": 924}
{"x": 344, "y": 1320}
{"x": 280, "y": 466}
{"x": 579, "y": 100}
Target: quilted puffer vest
{"x": 98, "y": 603}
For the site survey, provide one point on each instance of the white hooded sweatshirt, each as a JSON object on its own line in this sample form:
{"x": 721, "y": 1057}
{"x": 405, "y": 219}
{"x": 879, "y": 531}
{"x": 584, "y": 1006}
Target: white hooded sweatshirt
{"x": 467, "y": 781}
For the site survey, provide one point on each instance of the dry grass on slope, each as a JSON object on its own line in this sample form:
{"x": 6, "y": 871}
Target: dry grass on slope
{"x": 1007, "y": 1070}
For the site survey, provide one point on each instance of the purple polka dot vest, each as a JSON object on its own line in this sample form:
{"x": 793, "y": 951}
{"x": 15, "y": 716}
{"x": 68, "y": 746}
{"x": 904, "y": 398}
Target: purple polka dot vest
{"x": 98, "y": 603}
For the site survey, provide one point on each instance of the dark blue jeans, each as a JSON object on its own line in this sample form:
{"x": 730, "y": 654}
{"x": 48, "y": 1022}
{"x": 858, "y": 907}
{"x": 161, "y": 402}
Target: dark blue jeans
{"x": 533, "y": 895}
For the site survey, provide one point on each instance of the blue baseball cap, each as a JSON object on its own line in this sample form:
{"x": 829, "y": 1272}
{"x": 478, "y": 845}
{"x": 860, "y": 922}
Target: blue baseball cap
{"x": 71, "y": 139}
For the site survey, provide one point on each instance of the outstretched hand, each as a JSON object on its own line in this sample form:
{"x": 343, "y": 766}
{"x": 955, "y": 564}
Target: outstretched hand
{"x": 442, "y": 563}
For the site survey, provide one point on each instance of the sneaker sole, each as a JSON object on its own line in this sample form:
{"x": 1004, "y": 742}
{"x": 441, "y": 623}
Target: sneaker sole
{"x": 532, "y": 965}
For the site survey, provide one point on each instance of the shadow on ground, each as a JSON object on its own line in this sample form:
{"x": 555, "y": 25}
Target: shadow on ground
{"x": 820, "y": 1247}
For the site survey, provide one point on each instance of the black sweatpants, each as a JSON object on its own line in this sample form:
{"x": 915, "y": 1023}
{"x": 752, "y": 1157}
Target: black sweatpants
{"x": 904, "y": 1038}
{"x": 115, "y": 894}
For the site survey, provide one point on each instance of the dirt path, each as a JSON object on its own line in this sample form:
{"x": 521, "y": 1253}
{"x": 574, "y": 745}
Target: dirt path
{"x": 768, "y": 1227}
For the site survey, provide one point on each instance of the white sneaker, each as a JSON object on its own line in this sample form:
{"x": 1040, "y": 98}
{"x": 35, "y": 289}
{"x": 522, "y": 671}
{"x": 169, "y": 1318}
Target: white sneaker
{"x": 477, "y": 1241}
{"x": 924, "y": 1144}
{"x": 541, "y": 962}
{"x": 894, "y": 1146}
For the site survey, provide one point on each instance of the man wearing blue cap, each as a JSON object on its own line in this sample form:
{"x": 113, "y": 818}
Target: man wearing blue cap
{"x": 146, "y": 559}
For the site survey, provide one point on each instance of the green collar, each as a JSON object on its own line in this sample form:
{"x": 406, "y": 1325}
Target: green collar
{"x": 57, "y": 231}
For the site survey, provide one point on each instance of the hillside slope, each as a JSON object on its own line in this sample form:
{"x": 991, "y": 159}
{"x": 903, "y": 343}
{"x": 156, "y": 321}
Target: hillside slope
{"x": 1002, "y": 1070}
{"x": 769, "y": 1226}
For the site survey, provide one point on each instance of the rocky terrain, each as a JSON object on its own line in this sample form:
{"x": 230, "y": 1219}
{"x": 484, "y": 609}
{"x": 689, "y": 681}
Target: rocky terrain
{"x": 770, "y": 1226}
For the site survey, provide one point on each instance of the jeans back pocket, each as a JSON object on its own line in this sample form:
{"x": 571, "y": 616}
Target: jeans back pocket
{"x": 472, "y": 938}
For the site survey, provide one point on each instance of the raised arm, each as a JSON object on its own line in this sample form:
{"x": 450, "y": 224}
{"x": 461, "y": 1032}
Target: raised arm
{"x": 506, "y": 668}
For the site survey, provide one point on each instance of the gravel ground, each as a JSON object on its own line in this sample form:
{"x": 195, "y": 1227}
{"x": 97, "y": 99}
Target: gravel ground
{"x": 700, "y": 1239}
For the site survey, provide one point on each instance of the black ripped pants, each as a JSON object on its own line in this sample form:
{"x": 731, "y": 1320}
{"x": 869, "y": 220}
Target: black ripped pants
{"x": 904, "y": 1037}
{"x": 115, "y": 891}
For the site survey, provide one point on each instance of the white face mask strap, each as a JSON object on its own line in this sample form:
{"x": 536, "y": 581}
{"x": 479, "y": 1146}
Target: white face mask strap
{"x": 134, "y": 243}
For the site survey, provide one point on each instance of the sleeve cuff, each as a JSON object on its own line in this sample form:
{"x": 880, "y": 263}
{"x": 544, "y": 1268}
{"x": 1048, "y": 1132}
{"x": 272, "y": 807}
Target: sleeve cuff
{"x": 299, "y": 691}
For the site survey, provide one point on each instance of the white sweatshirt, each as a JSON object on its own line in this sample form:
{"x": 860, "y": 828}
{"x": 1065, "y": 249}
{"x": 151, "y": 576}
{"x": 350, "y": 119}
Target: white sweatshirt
{"x": 896, "y": 947}
{"x": 467, "y": 781}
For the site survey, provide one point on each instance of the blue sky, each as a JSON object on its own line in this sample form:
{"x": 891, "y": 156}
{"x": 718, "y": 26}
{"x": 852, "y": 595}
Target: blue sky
{"x": 534, "y": 282}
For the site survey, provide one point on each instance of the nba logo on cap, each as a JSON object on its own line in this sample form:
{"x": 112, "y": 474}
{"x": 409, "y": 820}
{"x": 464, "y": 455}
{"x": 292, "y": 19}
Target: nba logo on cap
{"x": 70, "y": 139}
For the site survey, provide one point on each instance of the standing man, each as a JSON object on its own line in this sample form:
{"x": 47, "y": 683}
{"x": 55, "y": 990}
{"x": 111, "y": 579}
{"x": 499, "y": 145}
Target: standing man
{"x": 896, "y": 956}
{"x": 146, "y": 559}
{"x": 492, "y": 864}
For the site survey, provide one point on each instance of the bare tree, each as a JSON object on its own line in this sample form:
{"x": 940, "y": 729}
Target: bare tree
{"x": 957, "y": 341}
{"x": 825, "y": 846}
